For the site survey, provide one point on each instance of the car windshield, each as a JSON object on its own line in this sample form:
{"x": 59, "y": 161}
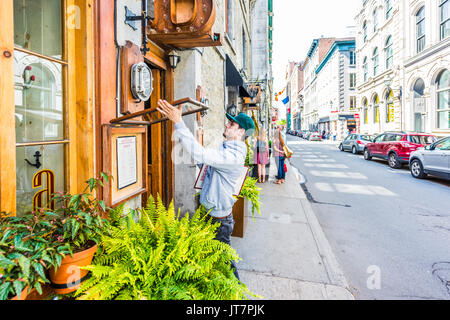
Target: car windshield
{"x": 422, "y": 139}
{"x": 366, "y": 137}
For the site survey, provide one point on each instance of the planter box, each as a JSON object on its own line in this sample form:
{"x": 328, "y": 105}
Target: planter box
{"x": 240, "y": 216}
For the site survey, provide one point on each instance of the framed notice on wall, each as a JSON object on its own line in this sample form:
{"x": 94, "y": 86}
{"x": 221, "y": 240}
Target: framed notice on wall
{"x": 124, "y": 159}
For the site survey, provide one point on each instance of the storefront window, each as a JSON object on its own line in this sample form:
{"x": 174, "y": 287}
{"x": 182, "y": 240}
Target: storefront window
{"x": 443, "y": 103}
{"x": 376, "y": 109}
{"x": 390, "y": 107}
{"x": 39, "y": 100}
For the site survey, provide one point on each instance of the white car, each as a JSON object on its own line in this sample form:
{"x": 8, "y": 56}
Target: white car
{"x": 431, "y": 160}
{"x": 315, "y": 136}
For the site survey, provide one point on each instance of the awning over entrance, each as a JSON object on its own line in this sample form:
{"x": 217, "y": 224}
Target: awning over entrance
{"x": 346, "y": 116}
{"x": 325, "y": 119}
{"x": 234, "y": 78}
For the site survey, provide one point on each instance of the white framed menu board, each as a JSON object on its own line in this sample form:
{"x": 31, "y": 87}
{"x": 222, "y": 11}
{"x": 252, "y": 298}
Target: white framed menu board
{"x": 126, "y": 161}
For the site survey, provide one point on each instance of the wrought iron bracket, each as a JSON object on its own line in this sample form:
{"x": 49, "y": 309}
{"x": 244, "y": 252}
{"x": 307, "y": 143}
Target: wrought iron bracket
{"x": 37, "y": 155}
{"x": 131, "y": 18}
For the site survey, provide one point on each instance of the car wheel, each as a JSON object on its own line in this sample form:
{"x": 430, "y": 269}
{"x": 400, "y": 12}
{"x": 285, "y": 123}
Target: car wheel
{"x": 367, "y": 155}
{"x": 341, "y": 147}
{"x": 393, "y": 161}
{"x": 354, "y": 151}
{"x": 416, "y": 169}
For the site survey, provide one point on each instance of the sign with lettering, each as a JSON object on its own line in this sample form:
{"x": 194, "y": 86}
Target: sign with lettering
{"x": 126, "y": 162}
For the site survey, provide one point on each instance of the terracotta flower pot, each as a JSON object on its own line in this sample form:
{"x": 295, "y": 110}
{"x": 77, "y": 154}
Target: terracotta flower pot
{"x": 23, "y": 295}
{"x": 68, "y": 277}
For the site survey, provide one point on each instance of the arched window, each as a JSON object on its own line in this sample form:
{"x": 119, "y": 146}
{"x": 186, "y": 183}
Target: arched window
{"x": 390, "y": 106}
{"x": 364, "y": 31}
{"x": 444, "y": 7}
{"x": 365, "y": 69}
{"x": 443, "y": 100}
{"x": 375, "y": 20}
{"x": 419, "y": 105}
{"x": 420, "y": 30}
{"x": 388, "y": 9}
{"x": 365, "y": 108}
{"x": 375, "y": 61}
{"x": 376, "y": 109}
{"x": 389, "y": 52}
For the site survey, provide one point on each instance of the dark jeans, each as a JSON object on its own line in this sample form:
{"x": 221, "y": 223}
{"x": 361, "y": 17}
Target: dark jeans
{"x": 223, "y": 234}
{"x": 280, "y": 165}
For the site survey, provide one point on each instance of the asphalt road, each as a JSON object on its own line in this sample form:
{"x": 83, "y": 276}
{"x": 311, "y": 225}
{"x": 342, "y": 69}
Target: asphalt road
{"x": 389, "y": 231}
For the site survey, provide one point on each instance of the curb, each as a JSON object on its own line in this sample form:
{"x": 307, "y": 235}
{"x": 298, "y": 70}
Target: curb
{"x": 334, "y": 271}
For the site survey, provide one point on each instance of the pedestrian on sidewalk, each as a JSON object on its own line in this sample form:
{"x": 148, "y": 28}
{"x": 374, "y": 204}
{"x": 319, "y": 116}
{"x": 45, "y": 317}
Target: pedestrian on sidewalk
{"x": 225, "y": 166}
{"x": 261, "y": 155}
{"x": 279, "y": 155}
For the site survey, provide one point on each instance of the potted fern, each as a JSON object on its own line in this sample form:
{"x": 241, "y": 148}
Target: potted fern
{"x": 26, "y": 252}
{"x": 79, "y": 226}
{"x": 154, "y": 254}
{"x": 250, "y": 193}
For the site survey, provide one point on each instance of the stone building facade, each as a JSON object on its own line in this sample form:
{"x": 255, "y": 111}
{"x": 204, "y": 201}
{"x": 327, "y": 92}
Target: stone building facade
{"x": 403, "y": 50}
{"x": 220, "y": 76}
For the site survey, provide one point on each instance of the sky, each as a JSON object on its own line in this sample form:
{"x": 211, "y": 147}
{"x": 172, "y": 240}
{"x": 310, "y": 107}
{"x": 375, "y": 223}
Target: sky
{"x": 298, "y": 22}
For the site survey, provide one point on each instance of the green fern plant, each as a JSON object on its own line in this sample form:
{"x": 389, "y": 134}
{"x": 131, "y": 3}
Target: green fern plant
{"x": 252, "y": 192}
{"x": 153, "y": 254}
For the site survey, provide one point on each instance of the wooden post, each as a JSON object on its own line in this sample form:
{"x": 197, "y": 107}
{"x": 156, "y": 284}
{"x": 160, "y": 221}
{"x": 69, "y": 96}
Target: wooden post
{"x": 7, "y": 109}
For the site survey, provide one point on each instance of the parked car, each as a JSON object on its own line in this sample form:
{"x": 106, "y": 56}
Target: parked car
{"x": 396, "y": 147}
{"x": 433, "y": 159}
{"x": 315, "y": 136}
{"x": 306, "y": 135}
{"x": 355, "y": 142}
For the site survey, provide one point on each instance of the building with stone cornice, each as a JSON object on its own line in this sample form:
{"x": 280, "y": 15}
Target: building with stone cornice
{"x": 379, "y": 50}
{"x": 403, "y": 58}
{"x": 426, "y": 62}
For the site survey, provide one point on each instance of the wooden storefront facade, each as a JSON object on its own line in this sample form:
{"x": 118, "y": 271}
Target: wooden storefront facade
{"x": 64, "y": 80}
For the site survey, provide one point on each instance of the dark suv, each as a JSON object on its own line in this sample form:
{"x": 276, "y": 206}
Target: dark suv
{"x": 396, "y": 147}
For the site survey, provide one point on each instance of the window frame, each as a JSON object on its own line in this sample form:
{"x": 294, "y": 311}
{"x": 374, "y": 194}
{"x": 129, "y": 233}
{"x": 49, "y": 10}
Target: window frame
{"x": 442, "y": 22}
{"x": 389, "y": 52}
{"x": 420, "y": 22}
{"x": 63, "y": 63}
{"x": 438, "y": 92}
{"x": 375, "y": 61}
{"x": 376, "y": 109}
{"x": 388, "y": 9}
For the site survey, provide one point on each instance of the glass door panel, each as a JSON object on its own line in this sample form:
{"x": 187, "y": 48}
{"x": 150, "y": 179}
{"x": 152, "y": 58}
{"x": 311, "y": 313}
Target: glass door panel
{"x": 38, "y": 98}
{"x": 36, "y": 185}
{"x": 39, "y": 102}
{"x": 38, "y": 26}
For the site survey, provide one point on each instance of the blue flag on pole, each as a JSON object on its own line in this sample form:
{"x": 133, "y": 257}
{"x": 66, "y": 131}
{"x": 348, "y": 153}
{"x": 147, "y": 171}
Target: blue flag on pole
{"x": 286, "y": 100}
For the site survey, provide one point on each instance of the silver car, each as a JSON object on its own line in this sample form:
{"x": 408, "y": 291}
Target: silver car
{"x": 355, "y": 142}
{"x": 433, "y": 159}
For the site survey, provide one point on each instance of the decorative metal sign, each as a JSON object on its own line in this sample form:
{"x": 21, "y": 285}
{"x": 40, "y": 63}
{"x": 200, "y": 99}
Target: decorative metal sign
{"x": 43, "y": 198}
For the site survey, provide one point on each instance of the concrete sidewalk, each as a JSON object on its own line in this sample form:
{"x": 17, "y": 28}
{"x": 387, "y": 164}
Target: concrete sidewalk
{"x": 285, "y": 254}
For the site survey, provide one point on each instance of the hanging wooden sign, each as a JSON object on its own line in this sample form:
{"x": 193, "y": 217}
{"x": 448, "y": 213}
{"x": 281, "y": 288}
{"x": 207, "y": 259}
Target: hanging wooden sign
{"x": 185, "y": 23}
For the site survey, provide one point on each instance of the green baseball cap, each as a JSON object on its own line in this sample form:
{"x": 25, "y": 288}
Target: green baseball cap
{"x": 244, "y": 121}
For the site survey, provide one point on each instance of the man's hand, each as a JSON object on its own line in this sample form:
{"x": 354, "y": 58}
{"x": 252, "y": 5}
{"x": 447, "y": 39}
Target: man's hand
{"x": 174, "y": 114}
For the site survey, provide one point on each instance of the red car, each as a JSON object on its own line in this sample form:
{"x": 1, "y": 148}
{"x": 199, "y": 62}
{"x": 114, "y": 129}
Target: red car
{"x": 395, "y": 147}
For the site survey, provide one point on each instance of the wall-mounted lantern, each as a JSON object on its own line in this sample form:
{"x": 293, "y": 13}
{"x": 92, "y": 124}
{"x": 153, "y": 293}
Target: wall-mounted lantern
{"x": 174, "y": 59}
{"x": 232, "y": 110}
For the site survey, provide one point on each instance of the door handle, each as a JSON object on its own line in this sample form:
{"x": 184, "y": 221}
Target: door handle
{"x": 37, "y": 155}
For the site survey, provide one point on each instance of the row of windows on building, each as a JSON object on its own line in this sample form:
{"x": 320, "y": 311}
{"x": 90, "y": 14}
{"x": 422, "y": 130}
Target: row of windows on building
{"x": 420, "y": 20}
{"x": 442, "y": 106}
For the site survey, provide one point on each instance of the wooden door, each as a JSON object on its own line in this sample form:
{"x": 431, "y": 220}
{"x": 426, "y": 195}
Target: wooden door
{"x": 160, "y": 167}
